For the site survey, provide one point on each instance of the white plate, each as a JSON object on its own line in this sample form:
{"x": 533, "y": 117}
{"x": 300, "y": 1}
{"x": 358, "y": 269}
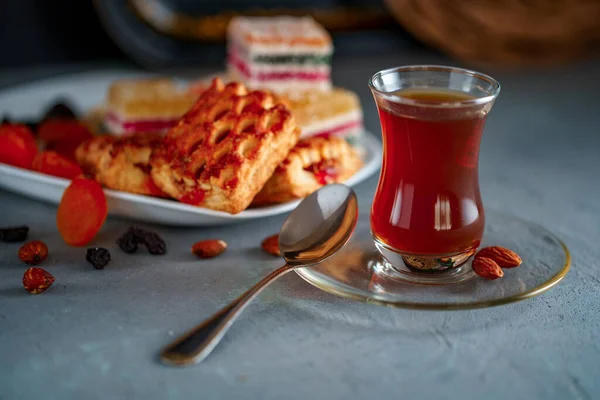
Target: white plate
{"x": 87, "y": 90}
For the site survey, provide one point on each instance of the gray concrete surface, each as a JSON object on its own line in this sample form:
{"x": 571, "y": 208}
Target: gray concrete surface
{"x": 95, "y": 334}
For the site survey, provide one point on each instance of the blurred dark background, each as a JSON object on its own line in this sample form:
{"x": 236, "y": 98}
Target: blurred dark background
{"x": 187, "y": 33}
{"x": 36, "y": 32}
{"x": 56, "y": 31}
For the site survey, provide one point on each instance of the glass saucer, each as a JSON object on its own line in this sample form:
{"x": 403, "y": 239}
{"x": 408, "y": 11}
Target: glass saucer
{"x": 359, "y": 272}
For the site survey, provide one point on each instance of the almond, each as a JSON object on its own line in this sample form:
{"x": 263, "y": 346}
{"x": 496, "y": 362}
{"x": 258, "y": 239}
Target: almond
{"x": 271, "y": 245}
{"x": 209, "y": 248}
{"x": 487, "y": 268}
{"x": 504, "y": 257}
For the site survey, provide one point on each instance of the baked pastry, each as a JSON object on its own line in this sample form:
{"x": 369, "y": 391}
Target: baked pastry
{"x": 121, "y": 163}
{"x": 279, "y": 53}
{"x": 146, "y": 105}
{"x": 313, "y": 163}
{"x": 334, "y": 113}
{"x": 223, "y": 151}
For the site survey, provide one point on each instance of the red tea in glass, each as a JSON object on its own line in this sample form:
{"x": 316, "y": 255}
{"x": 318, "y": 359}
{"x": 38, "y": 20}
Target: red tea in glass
{"x": 427, "y": 213}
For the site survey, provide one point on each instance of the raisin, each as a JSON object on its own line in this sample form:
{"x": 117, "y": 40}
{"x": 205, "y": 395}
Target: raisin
{"x": 98, "y": 257}
{"x": 151, "y": 240}
{"x": 134, "y": 236}
{"x": 14, "y": 234}
{"x": 128, "y": 242}
{"x": 60, "y": 110}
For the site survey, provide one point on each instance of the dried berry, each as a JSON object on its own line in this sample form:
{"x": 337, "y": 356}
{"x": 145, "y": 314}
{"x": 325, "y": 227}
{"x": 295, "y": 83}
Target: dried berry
{"x": 65, "y": 148}
{"x": 151, "y": 240}
{"x": 129, "y": 241}
{"x": 60, "y": 110}
{"x": 209, "y": 248}
{"x": 98, "y": 257}
{"x": 33, "y": 252}
{"x": 52, "y": 163}
{"x": 81, "y": 212}
{"x": 59, "y": 130}
{"x": 37, "y": 280}
{"x": 17, "y": 145}
{"x": 271, "y": 245}
{"x": 14, "y": 234}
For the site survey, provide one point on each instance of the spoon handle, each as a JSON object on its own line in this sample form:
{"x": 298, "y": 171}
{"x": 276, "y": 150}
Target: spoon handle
{"x": 194, "y": 346}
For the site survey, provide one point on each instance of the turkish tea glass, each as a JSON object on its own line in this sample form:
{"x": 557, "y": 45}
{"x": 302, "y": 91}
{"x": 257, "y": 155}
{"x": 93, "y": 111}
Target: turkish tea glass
{"x": 427, "y": 214}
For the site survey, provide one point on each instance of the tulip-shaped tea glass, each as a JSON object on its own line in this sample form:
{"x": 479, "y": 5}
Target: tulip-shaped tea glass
{"x": 427, "y": 214}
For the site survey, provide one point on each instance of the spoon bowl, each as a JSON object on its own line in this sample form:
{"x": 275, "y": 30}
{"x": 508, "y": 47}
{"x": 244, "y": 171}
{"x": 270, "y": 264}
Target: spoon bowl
{"x": 320, "y": 226}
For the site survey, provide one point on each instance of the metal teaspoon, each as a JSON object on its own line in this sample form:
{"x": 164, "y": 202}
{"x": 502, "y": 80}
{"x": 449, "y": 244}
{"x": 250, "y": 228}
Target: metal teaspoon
{"x": 321, "y": 225}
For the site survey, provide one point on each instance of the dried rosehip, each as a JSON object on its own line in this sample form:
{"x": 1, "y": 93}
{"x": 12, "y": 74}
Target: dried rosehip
{"x": 98, "y": 257}
{"x": 52, "y": 163}
{"x": 65, "y": 148}
{"x": 81, "y": 212}
{"x": 17, "y": 145}
{"x": 37, "y": 280}
{"x": 271, "y": 245}
{"x": 128, "y": 242}
{"x": 14, "y": 234}
{"x": 33, "y": 252}
{"x": 58, "y": 130}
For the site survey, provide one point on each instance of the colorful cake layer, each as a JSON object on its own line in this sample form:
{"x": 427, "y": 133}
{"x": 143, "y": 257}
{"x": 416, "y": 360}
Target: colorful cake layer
{"x": 333, "y": 113}
{"x": 280, "y": 53}
{"x": 144, "y": 105}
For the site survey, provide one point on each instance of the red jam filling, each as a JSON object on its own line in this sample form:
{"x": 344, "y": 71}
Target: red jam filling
{"x": 338, "y": 130}
{"x": 194, "y": 197}
{"x": 325, "y": 171}
{"x": 149, "y": 125}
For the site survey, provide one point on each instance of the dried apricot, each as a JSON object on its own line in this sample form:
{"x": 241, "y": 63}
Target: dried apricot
{"x": 59, "y": 130}
{"x": 59, "y": 110}
{"x": 17, "y": 145}
{"x": 52, "y": 163}
{"x": 81, "y": 212}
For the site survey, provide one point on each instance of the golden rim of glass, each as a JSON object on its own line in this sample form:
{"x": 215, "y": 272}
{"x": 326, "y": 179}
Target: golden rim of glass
{"x": 436, "y": 68}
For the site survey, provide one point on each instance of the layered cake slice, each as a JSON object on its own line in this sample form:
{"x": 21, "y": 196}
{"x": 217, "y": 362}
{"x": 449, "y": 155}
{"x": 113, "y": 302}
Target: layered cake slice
{"x": 334, "y": 113}
{"x": 146, "y": 105}
{"x": 279, "y": 53}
